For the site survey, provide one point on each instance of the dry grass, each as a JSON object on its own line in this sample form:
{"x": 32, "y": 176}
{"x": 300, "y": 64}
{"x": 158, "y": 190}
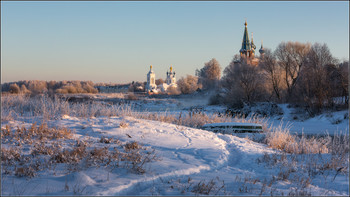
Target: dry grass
{"x": 281, "y": 139}
{"x": 16, "y": 106}
{"x": 213, "y": 187}
{"x": 197, "y": 120}
{"x": 35, "y": 133}
{"x": 123, "y": 124}
{"x": 49, "y": 147}
{"x": 303, "y": 153}
{"x": 13, "y": 107}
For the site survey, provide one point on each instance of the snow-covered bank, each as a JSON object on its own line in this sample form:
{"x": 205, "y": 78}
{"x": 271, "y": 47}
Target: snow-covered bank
{"x": 327, "y": 123}
{"x": 188, "y": 157}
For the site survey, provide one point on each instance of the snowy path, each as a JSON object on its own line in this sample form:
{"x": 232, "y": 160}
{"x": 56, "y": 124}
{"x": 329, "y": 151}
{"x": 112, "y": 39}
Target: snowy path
{"x": 185, "y": 152}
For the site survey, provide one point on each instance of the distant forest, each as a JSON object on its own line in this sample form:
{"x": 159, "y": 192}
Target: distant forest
{"x": 51, "y": 87}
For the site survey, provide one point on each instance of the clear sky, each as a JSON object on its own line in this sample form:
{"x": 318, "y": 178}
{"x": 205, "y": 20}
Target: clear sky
{"x": 118, "y": 41}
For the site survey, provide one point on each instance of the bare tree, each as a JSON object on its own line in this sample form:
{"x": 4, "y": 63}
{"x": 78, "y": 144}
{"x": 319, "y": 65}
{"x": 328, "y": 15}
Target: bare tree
{"x": 344, "y": 82}
{"x": 291, "y": 58}
{"x": 314, "y": 87}
{"x": 272, "y": 72}
{"x": 210, "y": 74}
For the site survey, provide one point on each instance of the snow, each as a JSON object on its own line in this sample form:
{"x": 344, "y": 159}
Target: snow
{"x": 188, "y": 156}
{"x": 328, "y": 123}
{"x": 185, "y": 153}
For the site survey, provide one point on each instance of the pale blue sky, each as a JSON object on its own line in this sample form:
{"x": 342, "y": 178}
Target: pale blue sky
{"x": 118, "y": 41}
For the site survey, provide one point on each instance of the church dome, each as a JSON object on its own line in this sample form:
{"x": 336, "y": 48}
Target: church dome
{"x": 262, "y": 49}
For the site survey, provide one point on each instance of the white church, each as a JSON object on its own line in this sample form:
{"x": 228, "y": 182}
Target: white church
{"x": 169, "y": 82}
{"x": 151, "y": 80}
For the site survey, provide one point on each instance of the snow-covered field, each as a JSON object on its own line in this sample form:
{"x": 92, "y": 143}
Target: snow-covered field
{"x": 189, "y": 161}
{"x": 187, "y": 157}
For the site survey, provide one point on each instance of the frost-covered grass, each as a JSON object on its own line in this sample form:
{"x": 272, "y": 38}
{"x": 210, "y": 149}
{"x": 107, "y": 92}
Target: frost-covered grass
{"x": 16, "y": 106}
{"x": 280, "y": 138}
{"x": 26, "y": 152}
{"x": 152, "y": 157}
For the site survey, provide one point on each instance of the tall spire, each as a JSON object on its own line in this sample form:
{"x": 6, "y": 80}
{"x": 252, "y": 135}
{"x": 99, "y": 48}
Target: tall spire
{"x": 245, "y": 42}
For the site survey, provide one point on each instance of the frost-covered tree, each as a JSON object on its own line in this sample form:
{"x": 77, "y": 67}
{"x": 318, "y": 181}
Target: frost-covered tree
{"x": 51, "y": 87}
{"x": 242, "y": 82}
{"x": 24, "y": 89}
{"x": 37, "y": 87}
{"x": 14, "y": 88}
{"x": 210, "y": 74}
{"x": 188, "y": 85}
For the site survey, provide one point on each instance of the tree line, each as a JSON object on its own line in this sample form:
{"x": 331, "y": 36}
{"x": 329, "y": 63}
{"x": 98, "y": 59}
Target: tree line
{"x": 50, "y": 87}
{"x": 303, "y": 74}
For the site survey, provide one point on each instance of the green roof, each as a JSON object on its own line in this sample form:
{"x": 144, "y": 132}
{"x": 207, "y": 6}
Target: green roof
{"x": 245, "y": 42}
